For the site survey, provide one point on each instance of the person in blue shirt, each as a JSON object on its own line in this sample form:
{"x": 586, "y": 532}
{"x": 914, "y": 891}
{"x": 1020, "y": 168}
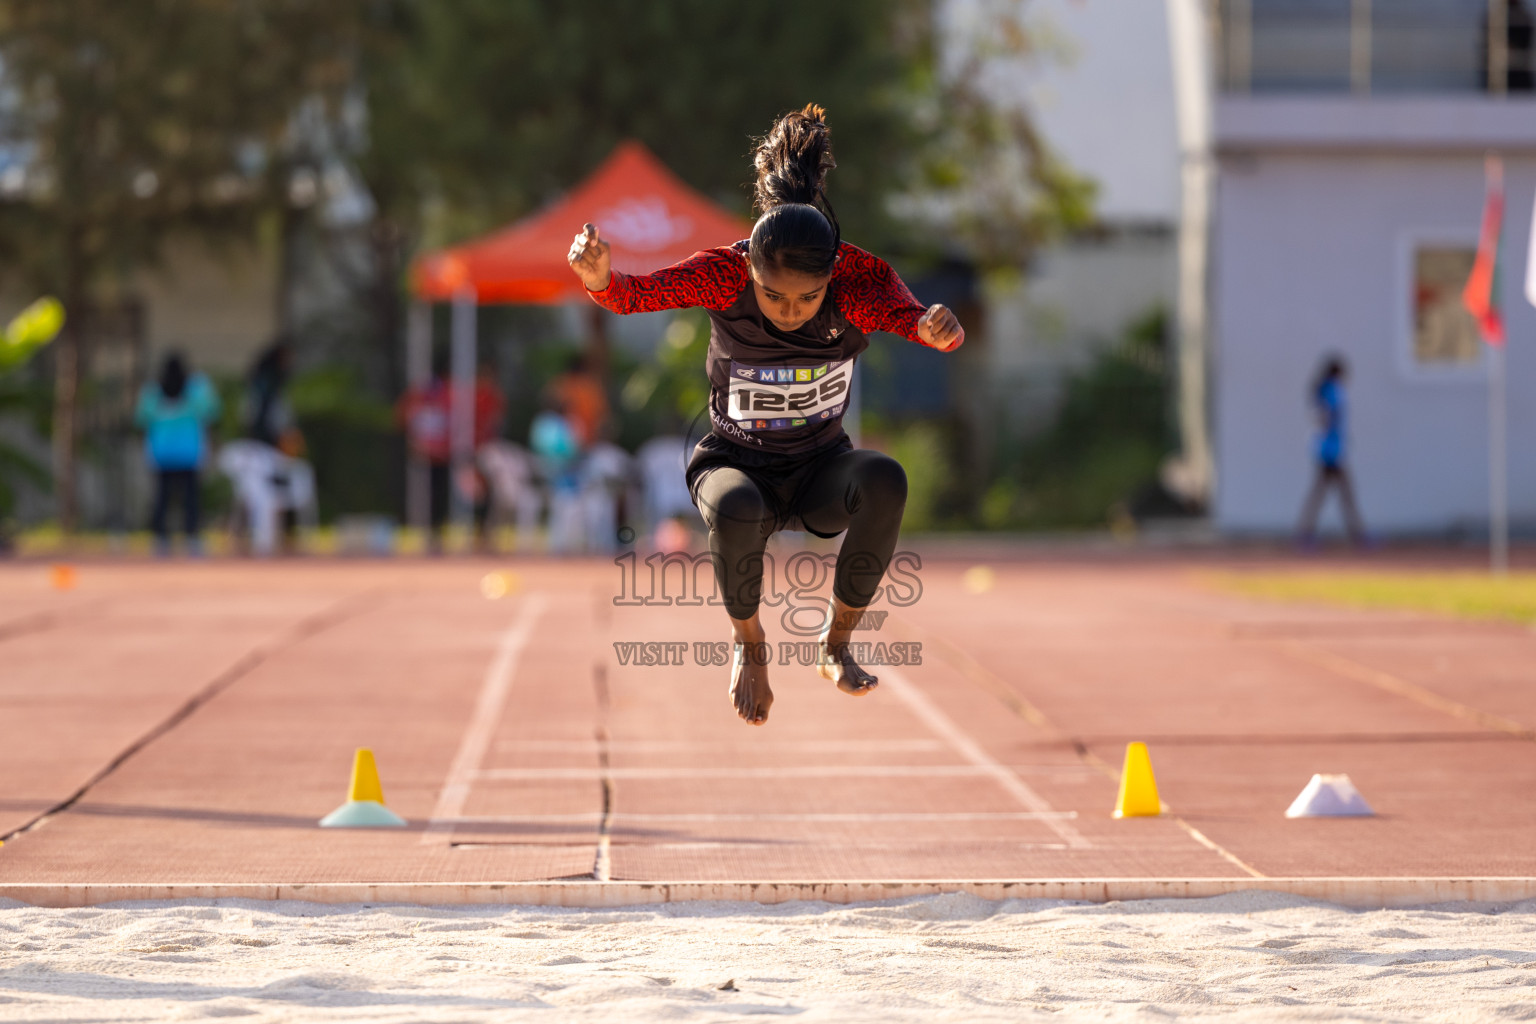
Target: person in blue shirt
{"x": 1328, "y": 400}
{"x": 175, "y": 412}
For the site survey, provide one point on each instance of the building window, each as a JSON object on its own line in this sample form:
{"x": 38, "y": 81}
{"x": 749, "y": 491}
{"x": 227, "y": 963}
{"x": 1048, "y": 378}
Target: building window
{"x": 1299, "y": 45}
{"x": 1444, "y": 334}
{"x": 1429, "y": 46}
{"x": 1364, "y": 46}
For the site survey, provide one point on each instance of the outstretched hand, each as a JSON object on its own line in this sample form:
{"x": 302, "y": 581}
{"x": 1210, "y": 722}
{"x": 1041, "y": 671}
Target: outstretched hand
{"x": 589, "y": 258}
{"x": 940, "y": 328}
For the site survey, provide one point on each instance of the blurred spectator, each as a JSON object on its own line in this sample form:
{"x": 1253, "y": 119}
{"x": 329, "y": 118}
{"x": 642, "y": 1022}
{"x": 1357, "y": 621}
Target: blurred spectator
{"x": 579, "y": 395}
{"x": 1329, "y": 402}
{"x": 425, "y": 413}
{"x": 273, "y": 483}
{"x": 490, "y": 406}
{"x": 268, "y": 417}
{"x": 175, "y": 412}
{"x": 555, "y": 442}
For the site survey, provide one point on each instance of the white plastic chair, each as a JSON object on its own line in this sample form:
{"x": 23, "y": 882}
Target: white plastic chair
{"x": 567, "y": 521}
{"x": 268, "y": 483}
{"x": 607, "y": 471}
{"x": 509, "y": 471}
{"x": 662, "y": 462}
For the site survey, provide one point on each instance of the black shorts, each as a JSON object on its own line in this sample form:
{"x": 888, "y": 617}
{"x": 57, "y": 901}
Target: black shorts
{"x": 782, "y": 479}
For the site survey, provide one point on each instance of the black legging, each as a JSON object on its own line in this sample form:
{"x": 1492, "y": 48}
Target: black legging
{"x": 1330, "y": 473}
{"x": 184, "y": 480}
{"x": 861, "y": 491}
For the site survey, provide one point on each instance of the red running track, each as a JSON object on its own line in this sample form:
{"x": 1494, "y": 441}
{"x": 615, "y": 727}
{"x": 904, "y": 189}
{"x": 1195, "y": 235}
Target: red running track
{"x": 197, "y": 720}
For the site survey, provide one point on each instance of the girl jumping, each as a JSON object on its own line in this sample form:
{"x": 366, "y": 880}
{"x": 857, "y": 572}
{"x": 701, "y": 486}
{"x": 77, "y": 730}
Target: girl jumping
{"x": 789, "y": 310}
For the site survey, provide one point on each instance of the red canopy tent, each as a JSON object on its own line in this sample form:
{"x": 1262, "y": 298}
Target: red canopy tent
{"x": 651, "y": 218}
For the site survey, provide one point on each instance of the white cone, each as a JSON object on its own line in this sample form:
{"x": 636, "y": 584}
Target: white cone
{"x": 1329, "y": 796}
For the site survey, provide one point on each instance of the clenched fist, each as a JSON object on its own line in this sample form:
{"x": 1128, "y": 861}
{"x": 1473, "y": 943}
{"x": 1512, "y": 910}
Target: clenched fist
{"x": 940, "y": 328}
{"x": 589, "y": 258}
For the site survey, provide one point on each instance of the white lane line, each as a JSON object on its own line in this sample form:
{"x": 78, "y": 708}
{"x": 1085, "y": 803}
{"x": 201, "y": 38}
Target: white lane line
{"x": 856, "y": 844}
{"x": 589, "y": 818}
{"x": 971, "y": 751}
{"x": 794, "y": 771}
{"x": 482, "y": 722}
{"x": 1215, "y": 848}
{"x": 921, "y": 846}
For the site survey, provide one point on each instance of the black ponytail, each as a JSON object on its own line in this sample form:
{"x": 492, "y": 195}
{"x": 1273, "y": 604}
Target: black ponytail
{"x": 798, "y": 229}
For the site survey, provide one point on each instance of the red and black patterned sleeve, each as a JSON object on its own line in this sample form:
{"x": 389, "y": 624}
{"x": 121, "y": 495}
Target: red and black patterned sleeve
{"x": 872, "y": 297}
{"x": 711, "y": 279}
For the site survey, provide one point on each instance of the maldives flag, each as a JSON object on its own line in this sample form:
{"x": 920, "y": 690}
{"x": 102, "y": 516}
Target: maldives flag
{"x": 1481, "y": 296}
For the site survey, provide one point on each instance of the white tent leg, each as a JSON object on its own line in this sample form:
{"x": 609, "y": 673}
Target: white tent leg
{"x": 418, "y": 372}
{"x": 461, "y": 434}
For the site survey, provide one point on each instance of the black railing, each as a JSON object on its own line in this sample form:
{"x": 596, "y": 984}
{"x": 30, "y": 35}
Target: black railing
{"x": 1381, "y": 46}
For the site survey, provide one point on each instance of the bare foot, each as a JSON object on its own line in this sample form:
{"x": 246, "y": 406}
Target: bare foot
{"x": 834, "y": 661}
{"x": 749, "y": 682}
{"x": 749, "y": 670}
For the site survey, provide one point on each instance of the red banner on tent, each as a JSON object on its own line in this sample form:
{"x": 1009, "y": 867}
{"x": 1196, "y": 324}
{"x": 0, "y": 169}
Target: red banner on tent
{"x": 651, "y": 218}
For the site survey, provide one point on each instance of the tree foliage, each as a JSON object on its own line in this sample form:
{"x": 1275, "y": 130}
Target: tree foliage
{"x": 143, "y": 118}
{"x": 138, "y": 120}
{"x": 517, "y": 100}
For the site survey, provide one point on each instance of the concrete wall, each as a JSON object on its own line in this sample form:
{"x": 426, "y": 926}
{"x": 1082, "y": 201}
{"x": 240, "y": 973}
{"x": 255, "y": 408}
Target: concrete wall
{"x": 1099, "y": 86}
{"x": 219, "y": 308}
{"x": 1313, "y": 232}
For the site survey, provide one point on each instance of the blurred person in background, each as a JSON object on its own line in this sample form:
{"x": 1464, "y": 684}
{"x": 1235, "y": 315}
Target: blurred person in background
{"x": 1328, "y": 401}
{"x": 489, "y": 408}
{"x": 425, "y": 413}
{"x": 556, "y": 444}
{"x": 789, "y": 309}
{"x": 175, "y": 413}
{"x": 578, "y": 393}
{"x": 268, "y": 417}
{"x": 554, "y": 439}
{"x": 422, "y": 413}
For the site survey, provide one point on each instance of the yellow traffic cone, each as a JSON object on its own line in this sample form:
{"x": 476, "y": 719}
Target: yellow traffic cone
{"x": 365, "y": 800}
{"x": 1138, "y": 789}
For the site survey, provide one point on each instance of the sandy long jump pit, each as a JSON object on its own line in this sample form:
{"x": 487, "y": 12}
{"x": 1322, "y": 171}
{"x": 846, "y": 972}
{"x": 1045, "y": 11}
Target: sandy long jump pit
{"x": 559, "y": 741}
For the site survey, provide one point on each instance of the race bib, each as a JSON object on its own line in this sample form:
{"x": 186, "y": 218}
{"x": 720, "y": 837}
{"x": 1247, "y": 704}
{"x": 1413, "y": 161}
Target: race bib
{"x": 782, "y": 397}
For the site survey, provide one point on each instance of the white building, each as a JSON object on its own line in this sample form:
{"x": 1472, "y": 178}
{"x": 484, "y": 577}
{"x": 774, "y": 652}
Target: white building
{"x": 1101, "y": 95}
{"x": 1348, "y": 142}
